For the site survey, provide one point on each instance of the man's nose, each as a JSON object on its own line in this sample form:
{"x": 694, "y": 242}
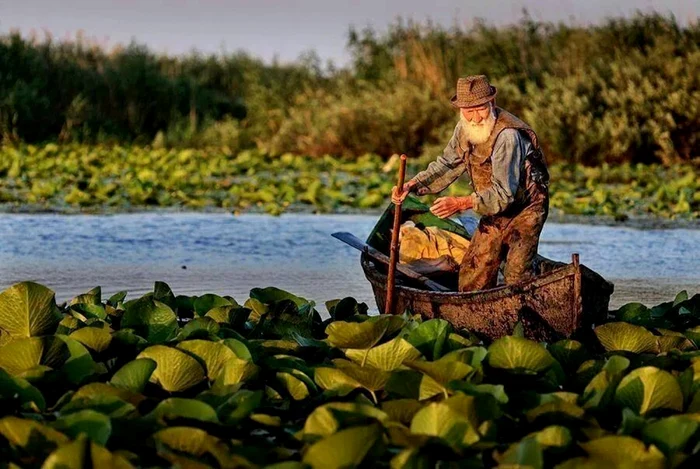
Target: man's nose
{"x": 477, "y": 118}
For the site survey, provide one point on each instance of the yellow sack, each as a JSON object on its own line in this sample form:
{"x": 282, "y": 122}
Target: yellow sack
{"x": 431, "y": 243}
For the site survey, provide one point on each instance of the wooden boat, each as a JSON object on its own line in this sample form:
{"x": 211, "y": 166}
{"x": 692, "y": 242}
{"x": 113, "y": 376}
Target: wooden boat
{"x": 562, "y": 300}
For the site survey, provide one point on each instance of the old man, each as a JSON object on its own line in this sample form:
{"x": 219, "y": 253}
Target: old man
{"x": 509, "y": 177}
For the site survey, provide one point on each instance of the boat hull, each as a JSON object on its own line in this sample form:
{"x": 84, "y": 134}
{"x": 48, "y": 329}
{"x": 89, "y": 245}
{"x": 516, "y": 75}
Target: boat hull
{"x": 559, "y": 303}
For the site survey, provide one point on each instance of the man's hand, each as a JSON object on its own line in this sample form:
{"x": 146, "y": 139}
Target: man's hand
{"x": 447, "y": 206}
{"x": 398, "y": 197}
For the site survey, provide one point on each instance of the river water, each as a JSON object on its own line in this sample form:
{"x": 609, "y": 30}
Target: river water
{"x": 220, "y": 253}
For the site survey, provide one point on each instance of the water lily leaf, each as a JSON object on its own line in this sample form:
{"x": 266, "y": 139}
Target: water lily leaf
{"x": 525, "y": 453}
{"x": 163, "y": 293}
{"x": 117, "y": 298}
{"x": 340, "y": 310}
{"x": 387, "y": 356}
{"x": 213, "y": 354}
{"x": 15, "y": 388}
{"x": 562, "y": 408}
{"x": 569, "y": 353}
{"x": 271, "y": 295}
{"x": 443, "y": 421}
{"x": 88, "y": 311}
{"x": 601, "y": 389}
{"x": 356, "y": 335}
{"x": 519, "y": 354}
{"x": 621, "y": 451}
{"x": 28, "y": 309}
{"x": 180, "y": 408}
{"x": 151, "y": 319}
{"x": 106, "y": 403}
{"x": 134, "y": 375}
{"x": 402, "y": 410}
{"x": 84, "y": 453}
{"x": 238, "y": 348}
{"x": 634, "y": 313}
{"x": 620, "y": 336}
{"x": 234, "y": 316}
{"x": 442, "y": 371}
{"x": 649, "y": 388}
{"x": 371, "y": 379}
{"x": 670, "y": 434}
{"x": 329, "y": 418}
{"x": 267, "y": 420}
{"x": 93, "y": 338}
{"x": 94, "y": 425}
{"x": 21, "y": 355}
{"x": 334, "y": 379}
{"x": 200, "y": 328}
{"x": 239, "y": 406}
{"x": 236, "y": 371}
{"x": 176, "y": 442}
{"x": 67, "y": 325}
{"x": 346, "y": 448}
{"x": 92, "y": 297}
{"x": 175, "y": 370}
{"x": 294, "y": 386}
{"x": 553, "y": 436}
{"x": 92, "y": 390}
{"x": 430, "y": 337}
{"x": 205, "y": 303}
{"x": 19, "y": 431}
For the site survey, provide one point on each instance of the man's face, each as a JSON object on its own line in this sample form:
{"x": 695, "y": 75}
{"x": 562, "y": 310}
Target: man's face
{"x": 476, "y": 114}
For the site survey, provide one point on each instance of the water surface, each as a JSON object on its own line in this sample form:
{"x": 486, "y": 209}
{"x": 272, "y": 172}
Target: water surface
{"x": 220, "y": 253}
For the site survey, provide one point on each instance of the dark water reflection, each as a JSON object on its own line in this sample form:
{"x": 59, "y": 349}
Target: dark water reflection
{"x": 230, "y": 255}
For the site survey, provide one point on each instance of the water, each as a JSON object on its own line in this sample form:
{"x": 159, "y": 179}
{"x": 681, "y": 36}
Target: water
{"x": 220, "y": 253}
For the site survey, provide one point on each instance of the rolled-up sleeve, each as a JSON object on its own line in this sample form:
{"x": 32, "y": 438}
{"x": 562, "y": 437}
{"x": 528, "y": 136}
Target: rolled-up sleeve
{"x": 507, "y": 162}
{"x": 443, "y": 171}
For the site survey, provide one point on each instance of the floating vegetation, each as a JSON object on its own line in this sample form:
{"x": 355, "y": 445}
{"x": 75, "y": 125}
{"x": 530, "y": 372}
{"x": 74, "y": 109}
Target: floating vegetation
{"x": 204, "y": 381}
{"x": 100, "y": 178}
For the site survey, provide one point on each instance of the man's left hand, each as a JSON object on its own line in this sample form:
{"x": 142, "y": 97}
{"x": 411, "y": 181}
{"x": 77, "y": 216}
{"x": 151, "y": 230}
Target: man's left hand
{"x": 447, "y": 206}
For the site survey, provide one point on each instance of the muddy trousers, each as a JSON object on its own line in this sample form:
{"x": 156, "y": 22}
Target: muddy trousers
{"x": 513, "y": 237}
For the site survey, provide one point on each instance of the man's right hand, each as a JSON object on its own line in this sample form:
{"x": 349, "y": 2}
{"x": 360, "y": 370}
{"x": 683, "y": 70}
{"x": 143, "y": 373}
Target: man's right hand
{"x": 398, "y": 197}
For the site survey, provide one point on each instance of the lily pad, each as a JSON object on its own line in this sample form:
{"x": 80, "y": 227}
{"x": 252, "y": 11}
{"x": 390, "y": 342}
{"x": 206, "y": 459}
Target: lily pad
{"x": 346, "y": 448}
{"x": 28, "y": 309}
{"x": 621, "y": 336}
{"x": 134, "y": 375}
{"x": 213, "y": 354}
{"x": 151, "y": 319}
{"x": 519, "y": 354}
{"x": 649, "y": 388}
{"x": 175, "y": 370}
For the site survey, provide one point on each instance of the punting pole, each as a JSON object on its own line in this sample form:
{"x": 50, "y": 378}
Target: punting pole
{"x": 393, "y": 254}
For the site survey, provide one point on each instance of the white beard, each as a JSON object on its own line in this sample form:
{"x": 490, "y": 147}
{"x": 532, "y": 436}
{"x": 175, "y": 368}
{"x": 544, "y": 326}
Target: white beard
{"x": 479, "y": 133}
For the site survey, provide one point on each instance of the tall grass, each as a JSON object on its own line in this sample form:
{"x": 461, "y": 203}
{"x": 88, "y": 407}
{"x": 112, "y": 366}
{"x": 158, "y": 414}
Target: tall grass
{"x": 626, "y": 90}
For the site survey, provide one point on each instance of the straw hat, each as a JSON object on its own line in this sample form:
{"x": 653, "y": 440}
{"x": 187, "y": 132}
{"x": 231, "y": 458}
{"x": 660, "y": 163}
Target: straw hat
{"x": 473, "y": 90}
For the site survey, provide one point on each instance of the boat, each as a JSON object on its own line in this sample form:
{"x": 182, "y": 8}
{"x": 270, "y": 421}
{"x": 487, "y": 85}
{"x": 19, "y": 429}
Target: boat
{"x": 563, "y": 300}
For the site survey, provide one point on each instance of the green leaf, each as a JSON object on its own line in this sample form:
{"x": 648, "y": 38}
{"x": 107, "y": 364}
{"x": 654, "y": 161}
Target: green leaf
{"x": 634, "y": 313}
{"x": 649, "y": 388}
{"x": 179, "y": 408}
{"x": 443, "y": 421}
{"x": 670, "y": 434}
{"x": 94, "y": 425}
{"x": 329, "y": 418}
{"x": 294, "y": 386}
{"x": 236, "y": 371}
{"x": 526, "y": 453}
{"x": 620, "y": 336}
{"x": 430, "y": 337}
{"x": 19, "y": 432}
{"x": 369, "y": 378}
{"x": 387, "y": 356}
{"x": 340, "y": 310}
{"x": 151, "y": 319}
{"x": 200, "y": 328}
{"x": 213, "y": 354}
{"x": 519, "y": 354}
{"x": 334, "y": 379}
{"x": 175, "y": 370}
{"x": 357, "y": 335}
{"x": 569, "y": 353}
{"x": 93, "y": 338}
{"x": 402, "y": 410}
{"x": 600, "y": 391}
{"x": 92, "y": 297}
{"x": 271, "y": 295}
{"x": 12, "y": 388}
{"x": 134, "y": 375}
{"x": 28, "y": 309}
{"x": 346, "y": 448}
{"x": 22, "y": 355}
{"x": 205, "y": 303}
{"x": 83, "y": 453}
{"x": 622, "y": 451}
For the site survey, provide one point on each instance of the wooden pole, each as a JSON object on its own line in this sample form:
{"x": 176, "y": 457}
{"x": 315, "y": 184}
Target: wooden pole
{"x": 394, "y": 253}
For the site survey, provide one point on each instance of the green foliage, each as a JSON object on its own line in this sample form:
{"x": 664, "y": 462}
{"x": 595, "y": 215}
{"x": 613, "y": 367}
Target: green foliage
{"x": 99, "y": 178}
{"x": 622, "y": 91}
{"x": 284, "y": 388}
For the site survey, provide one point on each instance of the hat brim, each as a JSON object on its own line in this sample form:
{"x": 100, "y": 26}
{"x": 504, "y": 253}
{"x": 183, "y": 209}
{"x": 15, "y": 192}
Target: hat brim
{"x": 476, "y": 102}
